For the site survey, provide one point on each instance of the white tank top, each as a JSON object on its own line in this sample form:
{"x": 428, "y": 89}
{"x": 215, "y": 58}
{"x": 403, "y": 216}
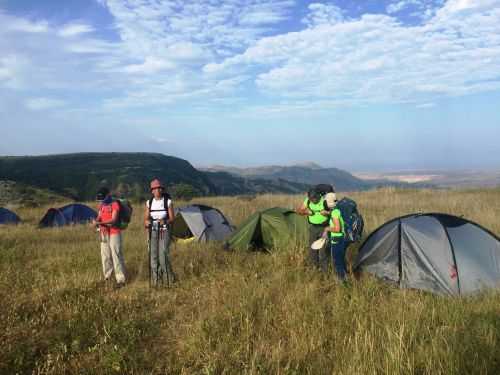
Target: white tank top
{"x": 158, "y": 211}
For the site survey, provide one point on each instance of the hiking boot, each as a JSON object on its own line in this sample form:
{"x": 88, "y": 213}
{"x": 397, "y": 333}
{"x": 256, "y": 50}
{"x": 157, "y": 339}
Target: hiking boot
{"x": 120, "y": 285}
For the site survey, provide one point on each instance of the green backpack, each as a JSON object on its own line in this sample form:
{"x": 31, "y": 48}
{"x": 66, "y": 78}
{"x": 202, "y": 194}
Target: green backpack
{"x": 125, "y": 213}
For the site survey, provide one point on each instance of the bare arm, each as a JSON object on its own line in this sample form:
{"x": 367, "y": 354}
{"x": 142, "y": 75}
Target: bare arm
{"x": 303, "y": 210}
{"x": 334, "y": 228}
{"x": 94, "y": 222}
{"x": 171, "y": 214}
{"x": 147, "y": 221}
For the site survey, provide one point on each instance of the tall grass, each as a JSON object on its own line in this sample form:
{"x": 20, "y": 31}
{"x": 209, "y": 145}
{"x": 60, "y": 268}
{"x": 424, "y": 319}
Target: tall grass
{"x": 236, "y": 313}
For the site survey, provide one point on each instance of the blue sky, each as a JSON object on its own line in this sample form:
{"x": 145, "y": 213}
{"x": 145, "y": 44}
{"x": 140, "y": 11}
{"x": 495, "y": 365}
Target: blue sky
{"x": 360, "y": 85}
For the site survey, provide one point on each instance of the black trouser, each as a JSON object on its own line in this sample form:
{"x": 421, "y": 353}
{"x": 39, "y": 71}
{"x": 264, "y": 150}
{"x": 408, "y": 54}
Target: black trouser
{"x": 318, "y": 258}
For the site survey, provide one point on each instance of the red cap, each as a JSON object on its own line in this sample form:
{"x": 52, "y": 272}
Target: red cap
{"x": 156, "y": 184}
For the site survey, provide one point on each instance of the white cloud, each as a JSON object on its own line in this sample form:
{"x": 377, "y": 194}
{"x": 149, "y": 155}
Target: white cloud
{"x": 149, "y": 66}
{"x": 90, "y": 46}
{"x": 323, "y": 14}
{"x": 426, "y": 105}
{"x": 210, "y": 51}
{"x": 454, "y": 6}
{"x": 162, "y": 140}
{"x": 14, "y": 71}
{"x": 400, "y": 5}
{"x": 39, "y": 104}
{"x": 74, "y": 29}
{"x": 376, "y": 58}
{"x": 15, "y": 24}
{"x": 153, "y": 26}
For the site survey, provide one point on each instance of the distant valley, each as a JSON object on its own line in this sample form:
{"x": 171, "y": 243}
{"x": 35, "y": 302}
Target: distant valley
{"x": 441, "y": 179}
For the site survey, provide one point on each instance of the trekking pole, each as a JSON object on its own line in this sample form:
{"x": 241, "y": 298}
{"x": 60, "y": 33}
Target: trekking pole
{"x": 168, "y": 265}
{"x": 149, "y": 254}
{"x": 155, "y": 227}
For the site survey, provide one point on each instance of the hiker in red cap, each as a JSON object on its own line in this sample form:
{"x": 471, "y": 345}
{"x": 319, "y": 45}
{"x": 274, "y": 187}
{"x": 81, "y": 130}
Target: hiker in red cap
{"x": 158, "y": 216}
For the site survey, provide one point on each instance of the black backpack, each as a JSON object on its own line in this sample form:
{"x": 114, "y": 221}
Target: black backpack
{"x": 353, "y": 221}
{"x": 165, "y": 197}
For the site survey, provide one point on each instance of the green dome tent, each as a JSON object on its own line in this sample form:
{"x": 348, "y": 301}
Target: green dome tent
{"x": 275, "y": 227}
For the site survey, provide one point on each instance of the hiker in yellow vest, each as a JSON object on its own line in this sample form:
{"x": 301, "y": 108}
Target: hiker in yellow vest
{"x": 335, "y": 232}
{"x": 314, "y": 207}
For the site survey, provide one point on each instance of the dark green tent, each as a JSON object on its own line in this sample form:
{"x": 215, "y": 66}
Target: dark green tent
{"x": 275, "y": 227}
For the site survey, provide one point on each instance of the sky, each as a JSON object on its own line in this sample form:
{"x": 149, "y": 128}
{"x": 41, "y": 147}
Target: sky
{"x": 373, "y": 85}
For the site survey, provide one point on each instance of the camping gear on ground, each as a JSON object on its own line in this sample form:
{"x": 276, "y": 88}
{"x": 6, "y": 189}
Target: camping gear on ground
{"x": 436, "y": 252}
{"x": 272, "y": 228}
{"x": 75, "y": 213}
{"x": 201, "y": 223}
{"x": 8, "y": 217}
{"x": 353, "y": 221}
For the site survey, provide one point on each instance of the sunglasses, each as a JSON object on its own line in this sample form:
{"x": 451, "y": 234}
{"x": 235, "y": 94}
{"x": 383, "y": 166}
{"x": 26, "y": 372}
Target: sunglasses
{"x": 156, "y": 188}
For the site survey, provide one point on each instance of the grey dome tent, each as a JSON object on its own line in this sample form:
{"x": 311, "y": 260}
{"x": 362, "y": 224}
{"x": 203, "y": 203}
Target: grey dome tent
{"x": 271, "y": 228}
{"x": 435, "y": 252}
{"x": 200, "y": 222}
{"x": 8, "y": 217}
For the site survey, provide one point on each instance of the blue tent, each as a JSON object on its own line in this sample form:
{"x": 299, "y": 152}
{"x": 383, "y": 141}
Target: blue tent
{"x": 78, "y": 213}
{"x": 71, "y": 214}
{"x": 8, "y": 217}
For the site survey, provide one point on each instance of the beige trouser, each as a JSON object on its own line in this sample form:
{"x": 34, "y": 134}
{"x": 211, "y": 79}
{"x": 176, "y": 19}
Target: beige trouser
{"x": 112, "y": 256}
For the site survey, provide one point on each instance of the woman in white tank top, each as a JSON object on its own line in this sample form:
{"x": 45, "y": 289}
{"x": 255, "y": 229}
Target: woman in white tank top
{"x": 158, "y": 215}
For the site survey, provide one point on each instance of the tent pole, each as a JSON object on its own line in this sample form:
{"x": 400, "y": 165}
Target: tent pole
{"x": 400, "y": 258}
{"x": 454, "y": 258}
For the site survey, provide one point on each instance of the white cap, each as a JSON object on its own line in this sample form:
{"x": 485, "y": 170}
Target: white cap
{"x": 331, "y": 200}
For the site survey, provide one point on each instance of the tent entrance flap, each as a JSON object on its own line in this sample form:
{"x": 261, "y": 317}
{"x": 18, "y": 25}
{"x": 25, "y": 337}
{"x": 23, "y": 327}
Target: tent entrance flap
{"x": 180, "y": 228}
{"x": 257, "y": 240}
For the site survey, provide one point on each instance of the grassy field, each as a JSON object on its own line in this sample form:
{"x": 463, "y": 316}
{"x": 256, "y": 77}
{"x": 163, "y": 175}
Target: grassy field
{"x": 236, "y": 313}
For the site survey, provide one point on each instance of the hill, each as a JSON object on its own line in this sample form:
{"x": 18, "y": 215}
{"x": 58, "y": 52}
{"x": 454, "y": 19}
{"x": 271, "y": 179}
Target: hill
{"x": 80, "y": 175}
{"x": 13, "y": 194}
{"x": 307, "y": 174}
{"x": 229, "y": 184}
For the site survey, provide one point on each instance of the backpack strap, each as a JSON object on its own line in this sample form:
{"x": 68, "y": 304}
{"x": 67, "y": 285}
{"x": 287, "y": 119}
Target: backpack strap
{"x": 165, "y": 198}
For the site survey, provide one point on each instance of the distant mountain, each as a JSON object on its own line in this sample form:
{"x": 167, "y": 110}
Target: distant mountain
{"x": 305, "y": 174}
{"x": 230, "y": 184}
